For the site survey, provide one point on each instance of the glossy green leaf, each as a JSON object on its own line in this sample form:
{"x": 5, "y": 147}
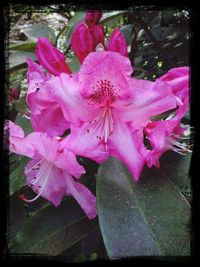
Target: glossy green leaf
{"x": 23, "y": 46}
{"x": 17, "y": 60}
{"x": 39, "y": 30}
{"x": 107, "y": 16}
{"x": 52, "y": 230}
{"x": 127, "y": 33}
{"x": 147, "y": 218}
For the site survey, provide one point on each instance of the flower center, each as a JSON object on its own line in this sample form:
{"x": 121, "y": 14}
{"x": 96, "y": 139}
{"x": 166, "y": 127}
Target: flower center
{"x": 103, "y": 93}
{"x": 42, "y": 170}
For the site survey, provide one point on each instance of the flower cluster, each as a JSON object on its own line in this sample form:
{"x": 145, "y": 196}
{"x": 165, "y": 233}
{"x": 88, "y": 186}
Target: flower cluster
{"x": 108, "y": 112}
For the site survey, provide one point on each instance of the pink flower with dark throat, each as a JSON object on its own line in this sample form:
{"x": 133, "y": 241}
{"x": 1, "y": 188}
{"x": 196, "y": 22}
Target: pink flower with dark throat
{"x": 50, "y": 57}
{"x": 52, "y": 169}
{"x": 112, "y": 109}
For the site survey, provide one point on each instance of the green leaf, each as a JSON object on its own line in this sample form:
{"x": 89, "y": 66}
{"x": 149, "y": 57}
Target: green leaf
{"x": 127, "y": 33}
{"x": 16, "y": 177}
{"x": 107, "y": 16}
{"x": 36, "y": 30}
{"x": 24, "y": 123}
{"x": 73, "y": 63}
{"x": 147, "y": 218}
{"x": 17, "y": 60}
{"x": 53, "y": 229}
{"x": 23, "y": 46}
{"x": 79, "y": 16}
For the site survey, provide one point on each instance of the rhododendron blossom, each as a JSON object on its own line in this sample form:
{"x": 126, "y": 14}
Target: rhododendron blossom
{"x": 105, "y": 110}
{"x": 46, "y": 114}
{"x": 50, "y": 172}
{"x": 112, "y": 109}
{"x": 164, "y": 134}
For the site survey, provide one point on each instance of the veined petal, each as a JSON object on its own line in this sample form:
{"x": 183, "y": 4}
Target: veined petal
{"x": 65, "y": 89}
{"x": 149, "y": 99}
{"x": 46, "y": 114}
{"x": 128, "y": 147}
{"x": 83, "y": 196}
{"x": 102, "y": 67}
{"x": 83, "y": 141}
{"x": 59, "y": 156}
{"x": 178, "y": 79}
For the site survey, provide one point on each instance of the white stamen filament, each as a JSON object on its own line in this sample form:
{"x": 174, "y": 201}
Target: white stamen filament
{"x": 104, "y": 124}
{"x": 181, "y": 148}
{"x": 46, "y": 167}
{"x": 32, "y": 168}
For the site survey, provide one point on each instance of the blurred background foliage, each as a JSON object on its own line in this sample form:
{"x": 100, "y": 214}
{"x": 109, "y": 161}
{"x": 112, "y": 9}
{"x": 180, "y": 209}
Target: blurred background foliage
{"x": 157, "y": 40}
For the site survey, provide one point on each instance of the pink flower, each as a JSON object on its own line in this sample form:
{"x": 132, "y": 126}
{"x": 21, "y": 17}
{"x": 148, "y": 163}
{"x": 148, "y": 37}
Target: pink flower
{"x": 112, "y": 109}
{"x": 117, "y": 43}
{"x": 164, "y": 135}
{"x": 92, "y": 18}
{"x": 81, "y": 41}
{"x": 50, "y": 171}
{"x": 50, "y": 57}
{"x": 178, "y": 79}
{"x": 46, "y": 114}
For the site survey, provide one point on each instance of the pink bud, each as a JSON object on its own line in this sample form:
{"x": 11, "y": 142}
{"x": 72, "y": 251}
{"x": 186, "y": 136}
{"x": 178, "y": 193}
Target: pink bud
{"x": 97, "y": 33}
{"x": 81, "y": 41}
{"x": 93, "y": 17}
{"x": 117, "y": 43}
{"x": 50, "y": 57}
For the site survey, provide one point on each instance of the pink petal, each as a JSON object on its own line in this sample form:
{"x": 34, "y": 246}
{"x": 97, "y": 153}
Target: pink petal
{"x": 128, "y": 147}
{"x": 17, "y": 142}
{"x": 83, "y": 196}
{"x": 50, "y": 57}
{"x": 106, "y": 66}
{"x": 83, "y": 141}
{"x": 59, "y": 156}
{"x": 149, "y": 99}
{"x": 117, "y": 43}
{"x": 65, "y": 90}
{"x": 55, "y": 186}
{"x": 81, "y": 41}
{"x": 46, "y": 114}
{"x": 178, "y": 79}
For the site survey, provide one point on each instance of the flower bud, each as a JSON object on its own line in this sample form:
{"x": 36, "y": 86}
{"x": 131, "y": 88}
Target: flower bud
{"x": 93, "y": 17}
{"x": 81, "y": 41}
{"x": 117, "y": 43}
{"x": 50, "y": 57}
{"x": 97, "y": 33}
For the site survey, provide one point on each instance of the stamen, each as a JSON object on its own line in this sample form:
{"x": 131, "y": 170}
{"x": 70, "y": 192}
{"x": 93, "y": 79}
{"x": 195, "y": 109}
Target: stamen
{"x": 104, "y": 125}
{"x": 34, "y": 167}
{"x": 25, "y": 116}
{"x": 46, "y": 166}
